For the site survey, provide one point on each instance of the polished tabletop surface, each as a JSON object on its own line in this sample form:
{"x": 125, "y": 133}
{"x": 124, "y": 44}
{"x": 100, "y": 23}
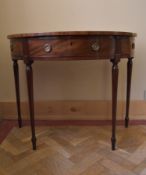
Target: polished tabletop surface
{"x": 72, "y": 33}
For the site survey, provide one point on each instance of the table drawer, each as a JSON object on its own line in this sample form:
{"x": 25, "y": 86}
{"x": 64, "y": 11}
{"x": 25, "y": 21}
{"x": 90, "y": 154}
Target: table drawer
{"x": 71, "y": 47}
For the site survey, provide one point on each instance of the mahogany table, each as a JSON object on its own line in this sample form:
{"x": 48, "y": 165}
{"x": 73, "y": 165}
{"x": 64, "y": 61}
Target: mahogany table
{"x": 78, "y": 45}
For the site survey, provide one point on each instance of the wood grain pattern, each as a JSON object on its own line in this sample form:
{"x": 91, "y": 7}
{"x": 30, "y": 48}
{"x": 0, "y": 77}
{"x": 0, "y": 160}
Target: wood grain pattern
{"x": 68, "y": 47}
{"x": 72, "y": 47}
{"x": 74, "y": 110}
{"x": 74, "y": 150}
{"x": 7, "y": 125}
{"x": 70, "y": 33}
{"x": 16, "y": 49}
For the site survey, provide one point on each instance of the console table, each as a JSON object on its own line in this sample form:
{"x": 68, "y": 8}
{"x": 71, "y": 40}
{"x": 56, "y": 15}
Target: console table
{"x": 76, "y": 45}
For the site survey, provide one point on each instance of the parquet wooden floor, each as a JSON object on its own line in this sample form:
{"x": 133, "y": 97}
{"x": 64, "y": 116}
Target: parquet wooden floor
{"x": 74, "y": 150}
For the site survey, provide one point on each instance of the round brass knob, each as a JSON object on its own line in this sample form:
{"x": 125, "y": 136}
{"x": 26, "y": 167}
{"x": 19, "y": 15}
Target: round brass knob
{"x": 47, "y": 48}
{"x": 95, "y": 46}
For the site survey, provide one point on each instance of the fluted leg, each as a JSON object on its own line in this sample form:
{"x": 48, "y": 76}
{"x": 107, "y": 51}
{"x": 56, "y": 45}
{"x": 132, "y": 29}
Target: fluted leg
{"x": 129, "y": 75}
{"x": 115, "y": 72}
{"x": 29, "y": 75}
{"x": 17, "y": 89}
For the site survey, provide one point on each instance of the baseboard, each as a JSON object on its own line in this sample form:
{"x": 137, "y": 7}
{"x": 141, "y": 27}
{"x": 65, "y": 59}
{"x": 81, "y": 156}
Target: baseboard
{"x": 75, "y": 110}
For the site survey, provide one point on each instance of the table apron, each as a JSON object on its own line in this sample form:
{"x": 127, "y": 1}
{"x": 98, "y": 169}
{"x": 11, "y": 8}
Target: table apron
{"x": 80, "y": 48}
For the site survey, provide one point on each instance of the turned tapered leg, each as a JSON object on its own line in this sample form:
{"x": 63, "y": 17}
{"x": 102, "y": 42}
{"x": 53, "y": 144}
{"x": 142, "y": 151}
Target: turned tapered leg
{"x": 29, "y": 75}
{"x": 115, "y": 72}
{"x": 16, "y": 77}
{"x": 129, "y": 75}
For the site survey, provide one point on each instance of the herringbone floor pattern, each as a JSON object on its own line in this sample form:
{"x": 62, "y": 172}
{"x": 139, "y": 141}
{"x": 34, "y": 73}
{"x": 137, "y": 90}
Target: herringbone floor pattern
{"x": 74, "y": 150}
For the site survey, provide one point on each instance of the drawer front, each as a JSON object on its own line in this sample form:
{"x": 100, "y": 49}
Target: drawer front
{"x": 75, "y": 47}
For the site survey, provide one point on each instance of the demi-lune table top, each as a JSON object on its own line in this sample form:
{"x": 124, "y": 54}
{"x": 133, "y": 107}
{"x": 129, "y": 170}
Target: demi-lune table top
{"x": 72, "y": 33}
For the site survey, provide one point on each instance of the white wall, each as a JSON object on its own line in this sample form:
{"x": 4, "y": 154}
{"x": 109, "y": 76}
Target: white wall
{"x": 72, "y": 80}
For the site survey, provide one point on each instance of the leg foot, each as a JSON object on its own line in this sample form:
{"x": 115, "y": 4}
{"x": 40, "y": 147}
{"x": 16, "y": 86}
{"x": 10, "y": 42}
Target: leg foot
{"x": 126, "y": 122}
